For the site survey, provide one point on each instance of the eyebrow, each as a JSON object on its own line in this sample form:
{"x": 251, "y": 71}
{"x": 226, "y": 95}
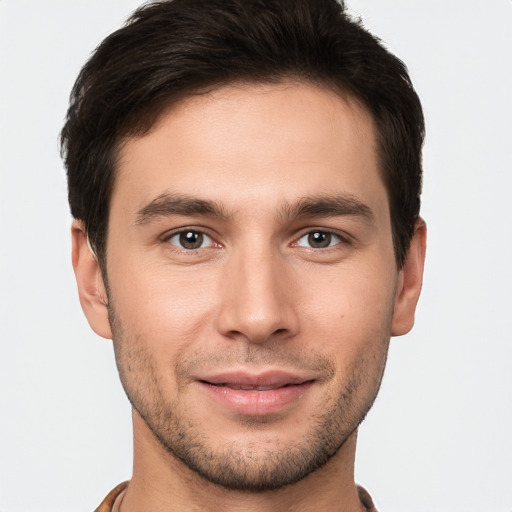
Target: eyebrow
{"x": 177, "y": 204}
{"x": 328, "y": 206}
{"x": 168, "y": 204}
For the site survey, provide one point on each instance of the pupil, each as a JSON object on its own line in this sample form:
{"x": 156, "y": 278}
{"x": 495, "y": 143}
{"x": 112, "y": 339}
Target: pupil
{"x": 191, "y": 240}
{"x": 319, "y": 240}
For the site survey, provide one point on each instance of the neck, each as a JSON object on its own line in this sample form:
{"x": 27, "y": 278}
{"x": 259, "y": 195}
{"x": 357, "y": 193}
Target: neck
{"x": 162, "y": 483}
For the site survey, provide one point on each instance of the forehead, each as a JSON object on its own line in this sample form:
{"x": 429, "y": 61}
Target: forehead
{"x": 244, "y": 144}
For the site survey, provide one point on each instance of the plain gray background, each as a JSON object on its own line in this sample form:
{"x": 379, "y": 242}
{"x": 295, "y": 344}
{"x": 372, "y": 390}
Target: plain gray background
{"x": 438, "y": 438}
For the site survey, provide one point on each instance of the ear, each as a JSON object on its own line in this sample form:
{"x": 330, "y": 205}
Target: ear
{"x": 410, "y": 279}
{"x": 91, "y": 289}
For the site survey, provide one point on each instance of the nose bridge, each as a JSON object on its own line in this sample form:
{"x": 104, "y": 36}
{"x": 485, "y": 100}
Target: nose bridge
{"x": 256, "y": 300}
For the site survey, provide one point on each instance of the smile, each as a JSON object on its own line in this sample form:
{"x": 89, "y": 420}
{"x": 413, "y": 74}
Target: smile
{"x": 251, "y": 388}
{"x": 256, "y": 394}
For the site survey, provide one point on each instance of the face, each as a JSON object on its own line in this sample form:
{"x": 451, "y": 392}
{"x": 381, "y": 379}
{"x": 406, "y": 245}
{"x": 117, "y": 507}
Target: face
{"x": 252, "y": 284}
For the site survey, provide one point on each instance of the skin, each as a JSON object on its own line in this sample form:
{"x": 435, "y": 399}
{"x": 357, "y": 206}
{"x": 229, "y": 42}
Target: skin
{"x": 260, "y": 294}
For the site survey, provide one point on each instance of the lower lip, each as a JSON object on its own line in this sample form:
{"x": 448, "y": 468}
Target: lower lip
{"x": 254, "y": 402}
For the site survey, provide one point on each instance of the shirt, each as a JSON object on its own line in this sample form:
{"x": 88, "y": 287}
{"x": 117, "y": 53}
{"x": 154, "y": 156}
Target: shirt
{"x": 107, "y": 505}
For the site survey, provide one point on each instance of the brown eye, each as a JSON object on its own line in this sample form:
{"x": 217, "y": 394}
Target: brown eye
{"x": 318, "y": 240}
{"x": 190, "y": 240}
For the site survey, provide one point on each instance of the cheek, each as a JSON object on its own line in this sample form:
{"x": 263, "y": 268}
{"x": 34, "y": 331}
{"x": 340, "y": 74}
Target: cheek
{"x": 159, "y": 317}
{"x": 348, "y": 299}
{"x": 166, "y": 309}
{"x": 349, "y": 315}
{"x": 351, "y": 325}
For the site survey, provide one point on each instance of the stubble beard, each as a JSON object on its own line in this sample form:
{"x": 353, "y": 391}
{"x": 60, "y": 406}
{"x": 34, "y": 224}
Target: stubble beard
{"x": 253, "y": 466}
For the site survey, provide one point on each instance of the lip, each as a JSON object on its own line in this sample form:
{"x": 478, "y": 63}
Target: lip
{"x": 256, "y": 394}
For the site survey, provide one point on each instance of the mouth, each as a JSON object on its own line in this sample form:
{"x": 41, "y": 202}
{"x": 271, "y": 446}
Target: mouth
{"x": 256, "y": 394}
{"x": 245, "y": 387}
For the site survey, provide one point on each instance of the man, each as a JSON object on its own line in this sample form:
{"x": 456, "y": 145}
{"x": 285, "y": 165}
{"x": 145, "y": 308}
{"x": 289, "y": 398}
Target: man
{"x": 245, "y": 180}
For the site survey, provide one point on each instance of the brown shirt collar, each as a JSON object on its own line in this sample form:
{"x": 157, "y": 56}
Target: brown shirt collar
{"x": 108, "y": 502}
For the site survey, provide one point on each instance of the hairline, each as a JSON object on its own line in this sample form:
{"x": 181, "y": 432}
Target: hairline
{"x": 159, "y": 109}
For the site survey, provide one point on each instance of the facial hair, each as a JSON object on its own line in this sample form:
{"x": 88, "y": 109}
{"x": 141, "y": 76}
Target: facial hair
{"x": 252, "y": 466}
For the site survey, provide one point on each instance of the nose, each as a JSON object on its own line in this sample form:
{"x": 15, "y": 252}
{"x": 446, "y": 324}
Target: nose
{"x": 257, "y": 298}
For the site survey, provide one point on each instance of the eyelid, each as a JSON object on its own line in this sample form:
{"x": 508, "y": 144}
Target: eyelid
{"x": 166, "y": 237}
{"x": 344, "y": 238}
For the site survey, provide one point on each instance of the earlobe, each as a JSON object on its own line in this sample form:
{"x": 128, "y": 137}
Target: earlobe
{"x": 91, "y": 289}
{"x": 409, "y": 282}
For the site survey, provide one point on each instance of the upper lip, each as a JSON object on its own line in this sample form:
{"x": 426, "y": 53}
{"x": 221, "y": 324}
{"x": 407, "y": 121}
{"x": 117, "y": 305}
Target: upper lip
{"x": 270, "y": 379}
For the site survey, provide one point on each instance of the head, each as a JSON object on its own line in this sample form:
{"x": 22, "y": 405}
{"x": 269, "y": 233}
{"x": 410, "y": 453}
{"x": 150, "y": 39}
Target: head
{"x": 168, "y": 51}
{"x": 248, "y": 177}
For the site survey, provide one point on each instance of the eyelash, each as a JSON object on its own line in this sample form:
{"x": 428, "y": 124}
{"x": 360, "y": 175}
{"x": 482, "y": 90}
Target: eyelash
{"x": 342, "y": 239}
{"x": 185, "y": 231}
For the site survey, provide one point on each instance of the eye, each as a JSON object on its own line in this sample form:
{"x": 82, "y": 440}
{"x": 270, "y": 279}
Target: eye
{"x": 190, "y": 239}
{"x": 319, "y": 240}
